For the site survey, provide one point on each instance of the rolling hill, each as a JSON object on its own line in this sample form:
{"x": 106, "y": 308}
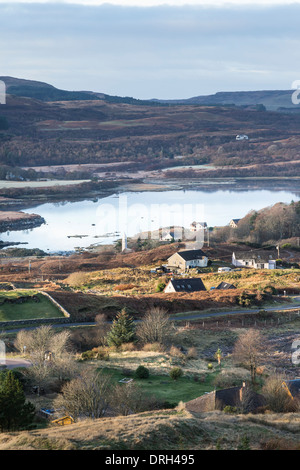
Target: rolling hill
{"x": 43, "y": 125}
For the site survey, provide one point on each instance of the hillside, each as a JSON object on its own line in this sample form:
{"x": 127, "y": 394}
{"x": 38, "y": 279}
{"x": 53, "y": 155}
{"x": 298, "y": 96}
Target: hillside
{"x": 165, "y": 430}
{"x": 273, "y": 100}
{"x": 43, "y": 126}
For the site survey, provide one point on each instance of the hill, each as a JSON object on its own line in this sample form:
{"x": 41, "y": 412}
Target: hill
{"x": 165, "y": 430}
{"x": 41, "y": 125}
{"x": 273, "y": 100}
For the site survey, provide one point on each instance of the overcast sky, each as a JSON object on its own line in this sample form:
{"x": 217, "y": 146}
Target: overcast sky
{"x": 158, "y": 49}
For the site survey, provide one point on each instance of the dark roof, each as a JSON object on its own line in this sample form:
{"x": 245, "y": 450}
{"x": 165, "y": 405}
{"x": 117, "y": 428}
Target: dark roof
{"x": 235, "y": 220}
{"x": 187, "y": 285}
{"x": 234, "y": 396}
{"x": 227, "y": 396}
{"x": 293, "y": 386}
{"x": 189, "y": 255}
{"x": 225, "y": 285}
{"x": 258, "y": 256}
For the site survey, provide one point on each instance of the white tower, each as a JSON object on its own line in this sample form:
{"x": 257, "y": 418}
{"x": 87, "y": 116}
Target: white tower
{"x": 124, "y": 242}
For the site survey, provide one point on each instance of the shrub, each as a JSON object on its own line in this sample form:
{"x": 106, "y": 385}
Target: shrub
{"x": 141, "y": 372}
{"x": 102, "y": 354}
{"x": 156, "y": 347}
{"x": 176, "y": 373}
{"x": 192, "y": 353}
{"x": 174, "y": 351}
{"x": 160, "y": 286}
{"x": 88, "y": 355}
{"x": 230, "y": 409}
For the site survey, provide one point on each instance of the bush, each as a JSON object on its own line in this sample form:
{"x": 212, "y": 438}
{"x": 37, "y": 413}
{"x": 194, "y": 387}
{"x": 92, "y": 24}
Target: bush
{"x": 192, "y": 353}
{"x": 176, "y": 373}
{"x": 155, "y": 347}
{"x": 230, "y": 409}
{"x": 88, "y": 355}
{"x": 141, "y": 373}
{"x": 160, "y": 286}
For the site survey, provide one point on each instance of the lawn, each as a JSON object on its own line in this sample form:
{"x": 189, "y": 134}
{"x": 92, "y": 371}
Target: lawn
{"x": 167, "y": 390}
{"x": 37, "y": 306}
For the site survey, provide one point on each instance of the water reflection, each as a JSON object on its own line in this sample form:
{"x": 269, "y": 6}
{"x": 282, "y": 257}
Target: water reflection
{"x": 83, "y": 223}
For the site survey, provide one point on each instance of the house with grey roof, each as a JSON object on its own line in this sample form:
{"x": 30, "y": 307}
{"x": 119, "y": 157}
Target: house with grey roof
{"x": 187, "y": 259}
{"x": 225, "y": 286}
{"x": 240, "y": 397}
{"x": 184, "y": 285}
{"x": 255, "y": 259}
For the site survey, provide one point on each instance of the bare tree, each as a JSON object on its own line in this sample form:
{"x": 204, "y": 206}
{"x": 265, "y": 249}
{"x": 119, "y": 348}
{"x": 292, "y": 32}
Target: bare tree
{"x": 101, "y": 329}
{"x": 86, "y": 396}
{"x": 249, "y": 350}
{"x": 48, "y": 352}
{"x": 155, "y": 327}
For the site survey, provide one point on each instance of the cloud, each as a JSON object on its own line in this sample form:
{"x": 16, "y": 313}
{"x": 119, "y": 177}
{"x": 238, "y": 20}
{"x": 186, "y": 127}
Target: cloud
{"x": 162, "y": 52}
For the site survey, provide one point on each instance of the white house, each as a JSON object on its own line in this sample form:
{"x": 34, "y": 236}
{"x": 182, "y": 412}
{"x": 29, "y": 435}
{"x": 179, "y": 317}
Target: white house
{"x": 234, "y": 223}
{"x": 184, "y": 285}
{"x": 195, "y": 226}
{"x": 187, "y": 259}
{"x": 256, "y": 260}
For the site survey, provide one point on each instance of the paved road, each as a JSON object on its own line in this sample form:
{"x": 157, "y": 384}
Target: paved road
{"x": 13, "y": 363}
{"x": 291, "y": 306}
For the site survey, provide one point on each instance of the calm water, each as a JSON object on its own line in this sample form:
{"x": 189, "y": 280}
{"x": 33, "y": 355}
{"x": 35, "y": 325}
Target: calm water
{"x": 105, "y": 220}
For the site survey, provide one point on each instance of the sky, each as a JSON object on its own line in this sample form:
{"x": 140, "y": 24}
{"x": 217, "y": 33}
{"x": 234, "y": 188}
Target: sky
{"x": 166, "y": 49}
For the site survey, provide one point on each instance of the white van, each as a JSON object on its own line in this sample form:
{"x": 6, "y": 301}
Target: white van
{"x": 224, "y": 270}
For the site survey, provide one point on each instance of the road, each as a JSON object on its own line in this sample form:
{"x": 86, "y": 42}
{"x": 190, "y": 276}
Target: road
{"x": 291, "y": 306}
{"x": 13, "y": 363}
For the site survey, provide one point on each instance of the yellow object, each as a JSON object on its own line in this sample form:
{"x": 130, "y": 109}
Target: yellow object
{"x": 63, "y": 421}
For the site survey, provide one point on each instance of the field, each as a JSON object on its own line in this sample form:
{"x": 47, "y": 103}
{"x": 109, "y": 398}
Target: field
{"x": 164, "y": 388}
{"x": 26, "y": 305}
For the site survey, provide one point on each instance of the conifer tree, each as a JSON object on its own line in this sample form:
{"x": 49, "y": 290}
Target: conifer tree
{"x": 15, "y": 412}
{"x": 122, "y": 330}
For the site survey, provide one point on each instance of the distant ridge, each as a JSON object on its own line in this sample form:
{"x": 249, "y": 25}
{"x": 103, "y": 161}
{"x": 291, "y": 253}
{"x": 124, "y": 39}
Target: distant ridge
{"x": 271, "y": 99}
{"x": 45, "y": 92}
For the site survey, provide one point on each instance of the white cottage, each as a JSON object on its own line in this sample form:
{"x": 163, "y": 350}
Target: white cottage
{"x": 256, "y": 260}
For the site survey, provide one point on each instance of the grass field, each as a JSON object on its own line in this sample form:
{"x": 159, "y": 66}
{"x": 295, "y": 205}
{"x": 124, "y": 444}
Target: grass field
{"x": 35, "y": 306}
{"x": 165, "y": 389}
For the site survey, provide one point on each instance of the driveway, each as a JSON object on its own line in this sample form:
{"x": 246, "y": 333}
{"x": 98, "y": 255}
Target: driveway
{"x": 13, "y": 363}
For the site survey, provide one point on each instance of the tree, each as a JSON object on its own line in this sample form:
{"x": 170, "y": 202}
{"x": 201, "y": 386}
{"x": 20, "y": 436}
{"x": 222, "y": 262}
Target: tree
{"x": 122, "y": 330}
{"x": 15, "y": 412}
{"x": 101, "y": 329}
{"x": 48, "y": 352}
{"x": 87, "y": 396}
{"x": 249, "y": 350}
{"x": 155, "y": 327}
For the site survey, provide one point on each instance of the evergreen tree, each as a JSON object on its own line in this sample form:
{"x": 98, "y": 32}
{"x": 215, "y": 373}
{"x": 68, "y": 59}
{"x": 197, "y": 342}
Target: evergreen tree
{"x": 15, "y": 412}
{"x": 122, "y": 330}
